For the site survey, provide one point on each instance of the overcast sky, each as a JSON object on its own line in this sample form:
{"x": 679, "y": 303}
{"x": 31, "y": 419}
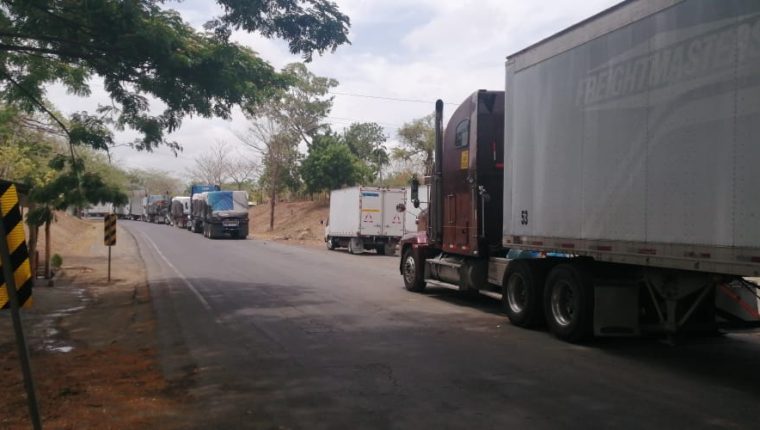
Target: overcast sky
{"x": 408, "y": 49}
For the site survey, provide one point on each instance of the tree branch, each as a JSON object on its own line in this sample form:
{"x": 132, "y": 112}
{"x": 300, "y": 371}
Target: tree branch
{"x": 36, "y": 102}
{"x": 61, "y": 53}
{"x": 51, "y": 39}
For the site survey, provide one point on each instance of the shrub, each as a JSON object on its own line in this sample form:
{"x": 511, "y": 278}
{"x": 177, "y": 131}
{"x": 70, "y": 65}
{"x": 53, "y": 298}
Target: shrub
{"x": 56, "y": 260}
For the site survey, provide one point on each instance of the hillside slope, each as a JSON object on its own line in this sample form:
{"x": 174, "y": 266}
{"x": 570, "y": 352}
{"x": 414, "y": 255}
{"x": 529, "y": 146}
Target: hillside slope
{"x": 297, "y": 221}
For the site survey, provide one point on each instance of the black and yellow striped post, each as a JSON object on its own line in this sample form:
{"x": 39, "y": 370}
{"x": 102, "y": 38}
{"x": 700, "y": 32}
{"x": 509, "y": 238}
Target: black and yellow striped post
{"x": 109, "y": 237}
{"x": 16, "y": 282}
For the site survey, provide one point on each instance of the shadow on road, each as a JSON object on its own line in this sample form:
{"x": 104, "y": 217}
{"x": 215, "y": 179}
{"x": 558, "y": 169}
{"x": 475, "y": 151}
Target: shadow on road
{"x": 468, "y": 300}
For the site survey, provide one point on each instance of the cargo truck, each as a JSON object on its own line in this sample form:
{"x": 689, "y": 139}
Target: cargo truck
{"x": 196, "y": 222}
{"x": 157, "y": 208}
{"x": 366, "y": 218}
{"x": 99, "y": 210}
{"x": 136, "y": 205}
{"x": 222, "y": 213}
{"x": 180, "y": 211}
{"x": 612, "y": 189}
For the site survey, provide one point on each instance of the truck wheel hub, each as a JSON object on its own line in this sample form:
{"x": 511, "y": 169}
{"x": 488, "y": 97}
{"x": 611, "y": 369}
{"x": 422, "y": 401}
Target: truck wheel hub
{"x": 409, "y": 269}
{"x": 517, "y": 294}
{"x": 563, "y": 303}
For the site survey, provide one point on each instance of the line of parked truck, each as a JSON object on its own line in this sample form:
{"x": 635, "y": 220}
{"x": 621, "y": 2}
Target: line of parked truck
{"x": 207, "y": 210}
{"x": 361, "y": 218}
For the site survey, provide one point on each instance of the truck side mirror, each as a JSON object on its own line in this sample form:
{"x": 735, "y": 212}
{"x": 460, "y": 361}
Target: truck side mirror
{"x": 415, "y": 189}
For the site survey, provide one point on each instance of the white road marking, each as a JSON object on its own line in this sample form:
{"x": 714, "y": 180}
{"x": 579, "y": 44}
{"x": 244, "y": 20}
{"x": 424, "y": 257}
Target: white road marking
{"x": 181, "y": 276}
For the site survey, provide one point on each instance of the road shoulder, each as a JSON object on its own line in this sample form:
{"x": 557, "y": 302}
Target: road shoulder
{"x": 92, "y": 343}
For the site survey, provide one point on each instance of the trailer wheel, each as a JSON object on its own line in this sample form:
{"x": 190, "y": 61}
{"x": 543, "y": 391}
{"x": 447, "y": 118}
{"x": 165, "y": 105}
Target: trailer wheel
{"x": 380, "y": 249}
{"x": 522, "y": 294}
{"x": 355, "y": 246}
{"x": 413, "y": 276}
{"x": 569, "y": 303}
{"x": 330, "y": 244}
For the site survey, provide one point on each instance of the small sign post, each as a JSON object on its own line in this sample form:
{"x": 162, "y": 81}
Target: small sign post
{"x": 16, "y": 275}
{"x": 109, "y": 237}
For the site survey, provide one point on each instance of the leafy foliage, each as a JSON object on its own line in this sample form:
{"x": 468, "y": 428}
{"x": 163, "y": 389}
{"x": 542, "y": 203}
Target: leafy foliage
{"x": 24, "y": 152}
{"x": 366, "y": 141}
{"x": 417, "y": 143}
{"x": 308, "y": 26}
{"x": 56, "y": 261}
{"x": 331, "y": 165}
{"x": 141, "y": 48}
{"x": 73, "y": 186}
{"x": 301, "y": 108}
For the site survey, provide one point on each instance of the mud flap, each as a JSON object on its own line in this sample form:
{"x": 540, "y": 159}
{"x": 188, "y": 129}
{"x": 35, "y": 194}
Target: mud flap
{"x": 616, "y": 310}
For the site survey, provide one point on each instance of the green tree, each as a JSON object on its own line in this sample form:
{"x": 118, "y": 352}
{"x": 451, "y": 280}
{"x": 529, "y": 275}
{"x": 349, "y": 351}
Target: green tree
{"x": 142, "y": 48}
{"x": 417, "y": 143}
{"x": 366, "y": 141}
{"x": 24, "y": 150}
{"x": 330, "y": 165}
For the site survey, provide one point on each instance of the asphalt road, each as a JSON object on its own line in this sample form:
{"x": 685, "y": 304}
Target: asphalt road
{"x": 266, "y": 335}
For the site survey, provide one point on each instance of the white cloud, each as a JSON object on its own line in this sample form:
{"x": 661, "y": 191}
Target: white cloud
{"x": 423, "y": 50}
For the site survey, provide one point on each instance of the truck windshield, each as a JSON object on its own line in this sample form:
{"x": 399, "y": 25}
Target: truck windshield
{"x": 228, "y": 201}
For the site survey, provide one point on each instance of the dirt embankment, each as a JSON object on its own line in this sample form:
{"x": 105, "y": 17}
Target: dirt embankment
{"x": 92, "y": 343}
{"x": 300, "y": 222}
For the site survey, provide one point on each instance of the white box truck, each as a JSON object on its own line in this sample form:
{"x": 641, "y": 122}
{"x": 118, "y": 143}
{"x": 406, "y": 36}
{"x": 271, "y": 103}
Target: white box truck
{"x": 366, "y": 218}
{"x": 612, "y": 188}
{"x": 99, "y": 210}
{"x": 136, "y": 205}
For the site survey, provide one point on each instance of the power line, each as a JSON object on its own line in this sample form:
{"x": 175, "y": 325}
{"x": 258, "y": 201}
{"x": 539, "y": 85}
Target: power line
{"x": 394, "y": 99}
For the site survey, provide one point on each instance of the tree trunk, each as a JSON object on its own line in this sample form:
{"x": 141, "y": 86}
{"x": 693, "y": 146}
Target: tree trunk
{"x": 32, "y": 245}
{"x": 272, "y": 199}
{"x": 47, "y": 249}
{"x": 273, "y": 194}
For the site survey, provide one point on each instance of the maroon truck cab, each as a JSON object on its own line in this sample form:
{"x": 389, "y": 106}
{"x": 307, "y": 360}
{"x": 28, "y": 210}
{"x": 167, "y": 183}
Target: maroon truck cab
{"x": 467, "y": 188}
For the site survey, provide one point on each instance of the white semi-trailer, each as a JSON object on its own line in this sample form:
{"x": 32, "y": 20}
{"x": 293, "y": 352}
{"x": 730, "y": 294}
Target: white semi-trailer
{"x": 612, "y": 188}
{"x": 366, "y": 218}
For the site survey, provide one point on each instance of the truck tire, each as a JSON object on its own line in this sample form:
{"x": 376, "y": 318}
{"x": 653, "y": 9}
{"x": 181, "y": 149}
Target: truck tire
{"x": 390, "y": 248}
{"x": 413, "y": 277}
{"x": 329, "y": 243}
{"x": 569, "y": 303}
{"x": 380, "y": 249}
{"x": 355, "y": 246}
{"x": 522, "y": 294}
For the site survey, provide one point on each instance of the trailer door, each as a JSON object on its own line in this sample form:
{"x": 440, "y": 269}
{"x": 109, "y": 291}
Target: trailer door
{"x": 372, "y": 212}
{"x": 393, "y": 220}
